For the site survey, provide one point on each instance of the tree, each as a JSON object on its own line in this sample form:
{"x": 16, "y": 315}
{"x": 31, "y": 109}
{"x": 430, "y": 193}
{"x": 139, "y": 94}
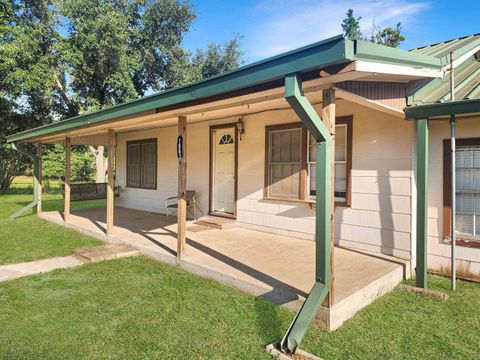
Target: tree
{"x": 119, "y": 50}
{"x": 387, "y": 36}
{"x": 59, "y": 59}
{"x": 351, "y": 26}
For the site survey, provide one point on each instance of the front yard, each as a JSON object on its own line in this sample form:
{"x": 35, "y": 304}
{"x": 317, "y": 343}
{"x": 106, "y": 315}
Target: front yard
{"x": 139, "y": 308}
{"x": 29, "y": 238}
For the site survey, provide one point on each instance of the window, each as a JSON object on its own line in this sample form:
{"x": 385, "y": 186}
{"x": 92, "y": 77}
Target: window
{"x": 142, "y": 164}
{"x": 284, "y": 161}
{"x": 290, "y": 171}
{"x": 226, "y": 139}
{"x": 467, "y": 195}
{"x": 341, "y": 164}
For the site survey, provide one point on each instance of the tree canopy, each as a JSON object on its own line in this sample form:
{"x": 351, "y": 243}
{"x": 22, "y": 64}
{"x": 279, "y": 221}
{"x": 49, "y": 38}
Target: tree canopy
{"x": 59, "y": 58}
{"x": 387, "y": 36}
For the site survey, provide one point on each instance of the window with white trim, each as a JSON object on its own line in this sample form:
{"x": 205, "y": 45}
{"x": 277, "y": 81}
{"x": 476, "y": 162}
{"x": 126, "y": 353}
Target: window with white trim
{"x": 467, "y": 195}
{"x": 284, "y": 162}
{"x": 290, "y": 162}
{"x": 341, "y": 166}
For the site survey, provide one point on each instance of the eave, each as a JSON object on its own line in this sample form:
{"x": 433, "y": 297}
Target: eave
{"x": 270, "y": 72}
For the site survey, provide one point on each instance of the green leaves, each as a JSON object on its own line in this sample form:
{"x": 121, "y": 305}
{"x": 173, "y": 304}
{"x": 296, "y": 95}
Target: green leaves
{"x": 387, "y": 36}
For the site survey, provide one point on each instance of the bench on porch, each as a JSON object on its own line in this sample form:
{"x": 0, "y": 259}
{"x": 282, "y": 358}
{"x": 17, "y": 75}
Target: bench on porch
{"x": 89, "y": 191}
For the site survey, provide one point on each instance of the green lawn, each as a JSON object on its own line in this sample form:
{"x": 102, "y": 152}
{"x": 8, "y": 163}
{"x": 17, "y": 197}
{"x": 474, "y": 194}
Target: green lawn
{"x": 30, "y": 238}
{"x": 139, "y": 308}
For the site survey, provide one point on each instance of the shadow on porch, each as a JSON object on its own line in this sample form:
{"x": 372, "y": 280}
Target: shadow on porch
{"x": 274, "y": 267}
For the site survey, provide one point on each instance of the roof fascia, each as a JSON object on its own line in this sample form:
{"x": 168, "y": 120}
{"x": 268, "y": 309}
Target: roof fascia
{"x": 388, "y": 55}
{"x": 332, "y": 51}
{"x": 442, "y": 109}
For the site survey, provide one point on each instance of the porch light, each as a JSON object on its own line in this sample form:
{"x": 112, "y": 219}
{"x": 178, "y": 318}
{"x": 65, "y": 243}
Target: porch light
{"x": 241, "y": 127}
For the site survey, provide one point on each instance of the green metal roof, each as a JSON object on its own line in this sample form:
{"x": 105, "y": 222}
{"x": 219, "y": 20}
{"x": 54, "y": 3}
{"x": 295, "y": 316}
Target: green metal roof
{"x": 467, "y": 74}
{"x": 459, "y": 47}
{"x": 332, "y": 51}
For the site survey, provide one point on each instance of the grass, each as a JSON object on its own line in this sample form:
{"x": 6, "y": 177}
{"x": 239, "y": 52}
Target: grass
{"x": 30, "y": 238}
{"x": 133, "y": 308}
{"x": 137, "y": 308}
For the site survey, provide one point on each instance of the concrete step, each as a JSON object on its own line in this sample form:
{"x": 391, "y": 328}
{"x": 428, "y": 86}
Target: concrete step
{"x": 105, "y": 252}
{"x": 216, "y": 222}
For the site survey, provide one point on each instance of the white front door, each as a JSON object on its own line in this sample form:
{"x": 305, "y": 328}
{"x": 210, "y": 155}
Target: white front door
{"x": 223, "y": 171}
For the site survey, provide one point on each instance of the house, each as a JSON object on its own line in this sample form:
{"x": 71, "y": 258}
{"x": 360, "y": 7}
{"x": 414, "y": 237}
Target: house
{"x": 258, "y": 152}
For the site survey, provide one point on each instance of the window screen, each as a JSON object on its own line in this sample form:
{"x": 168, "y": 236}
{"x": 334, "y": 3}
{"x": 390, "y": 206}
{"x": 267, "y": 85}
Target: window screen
{"x": 142, "y": 164}
{"x": 467, "y": 195}
{"x": 340, "y": 164}
{"x": 284, "y": 163}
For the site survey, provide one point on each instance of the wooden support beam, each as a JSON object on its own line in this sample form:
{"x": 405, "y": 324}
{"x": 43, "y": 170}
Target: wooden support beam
{"x": 66, "y": 206}
{"x": 328, "y": 117}
{"x": 110, "y": 181}
{"x": 39, "y": 177}
{"x": 182, "y": 185}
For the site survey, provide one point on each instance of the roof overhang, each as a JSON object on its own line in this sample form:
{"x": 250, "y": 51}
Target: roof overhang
{"x": 353, "y": 57}
{"x": 439, "y": 110}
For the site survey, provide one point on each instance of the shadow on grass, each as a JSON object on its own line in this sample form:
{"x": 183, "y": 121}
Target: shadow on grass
{"x": 269, "y": 324}
{"x": 58, "y": 204}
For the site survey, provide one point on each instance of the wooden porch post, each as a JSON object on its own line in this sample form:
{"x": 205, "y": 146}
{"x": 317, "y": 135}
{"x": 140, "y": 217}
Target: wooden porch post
{"x": 110, "y": 181}
{"x": 39, "y": 177}
{"x": 328, "y": 116}
{"x": 66, "y": 207}
{"x": 182, "y": 185}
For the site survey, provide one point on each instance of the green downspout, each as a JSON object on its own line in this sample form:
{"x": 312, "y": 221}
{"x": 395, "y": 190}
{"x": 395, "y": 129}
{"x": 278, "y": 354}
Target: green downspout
{"x": 422, "y": 202}
{"x": 310, "y": 118}
{"x": 36, "y": 173}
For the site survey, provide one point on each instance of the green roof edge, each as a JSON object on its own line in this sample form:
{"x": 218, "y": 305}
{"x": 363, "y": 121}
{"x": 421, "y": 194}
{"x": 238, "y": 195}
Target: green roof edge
{"x": 442, "y": 109}
{"x": 332, "y": 51}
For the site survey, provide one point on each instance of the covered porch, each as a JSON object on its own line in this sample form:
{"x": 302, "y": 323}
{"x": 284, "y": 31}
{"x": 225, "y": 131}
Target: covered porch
{"x": 278, "y": 268}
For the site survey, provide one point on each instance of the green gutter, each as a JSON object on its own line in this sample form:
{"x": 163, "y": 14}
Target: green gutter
{"x": 442, "y": 109}
{"x": 332, "y": 51}
{"x": 310, "y": 118}
{"x": 385, "y": 54}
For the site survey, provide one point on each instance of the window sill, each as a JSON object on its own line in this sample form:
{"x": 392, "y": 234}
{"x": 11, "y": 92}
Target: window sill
{"x": 464, "y": 242}
{"x": 139, "y": 188}
{"x": 312, "y": 203}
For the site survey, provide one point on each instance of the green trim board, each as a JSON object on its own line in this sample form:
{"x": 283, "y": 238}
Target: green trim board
{"x": 383, "y": 54}
{"x": 422, "y": 202}
{"x": 332, "y": 51}
{"x": 443, "y": 109}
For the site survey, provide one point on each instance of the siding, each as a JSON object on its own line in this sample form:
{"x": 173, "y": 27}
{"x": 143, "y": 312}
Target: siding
{"x": 378, "y": 220}
{"x": 392, "y": 94}
{"x": 438, "y": 251}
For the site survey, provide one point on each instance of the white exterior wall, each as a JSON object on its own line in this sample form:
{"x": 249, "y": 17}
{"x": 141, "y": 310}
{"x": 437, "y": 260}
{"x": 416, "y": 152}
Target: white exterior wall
{"x": 468, "y": 259}
{"x": 379, "y": 219}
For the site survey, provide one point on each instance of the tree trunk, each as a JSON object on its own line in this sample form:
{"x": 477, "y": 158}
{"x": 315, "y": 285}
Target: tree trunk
{"x": 100, "y": 167}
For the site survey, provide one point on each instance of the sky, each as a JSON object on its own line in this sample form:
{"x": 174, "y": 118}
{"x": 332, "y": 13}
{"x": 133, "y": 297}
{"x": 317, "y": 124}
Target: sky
{"x": 270, "y": 27}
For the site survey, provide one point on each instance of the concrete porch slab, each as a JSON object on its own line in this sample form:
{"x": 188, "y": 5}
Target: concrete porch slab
{"x": 105, "y": 252}
{"x": 278, "y": 268}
